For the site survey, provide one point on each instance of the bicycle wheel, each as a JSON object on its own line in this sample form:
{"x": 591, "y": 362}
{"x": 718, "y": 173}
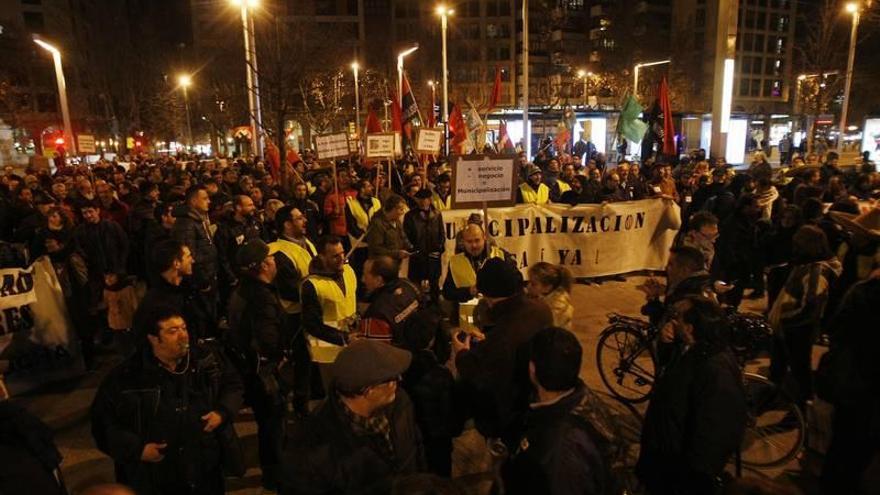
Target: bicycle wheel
{"x": 626, "y": 363}
{"x": 775, "y": 427}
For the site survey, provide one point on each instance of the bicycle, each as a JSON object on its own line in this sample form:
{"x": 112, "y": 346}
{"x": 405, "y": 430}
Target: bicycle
{"x": 626, "y": 356}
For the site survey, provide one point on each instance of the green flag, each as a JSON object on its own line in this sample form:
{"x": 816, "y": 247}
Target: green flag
{"x": 630, "y": 125}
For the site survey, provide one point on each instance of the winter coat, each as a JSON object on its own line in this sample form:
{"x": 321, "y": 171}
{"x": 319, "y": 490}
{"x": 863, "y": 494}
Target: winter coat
{"x": 256, "y": 321}
{"x": 180, "y": 297}
{"x": 192, "y": 229}
{"x": 556, "y": 454}
{"x": 326, "y": 456}
{"x": 230, "y": 236}
{"x": 694, "y": 423}
{"x": 801, "y": 303}
{"x": 141, "y": 402}
{"x": 496, "y": 369}
{"x": 385, "y": 238}
{"x": 28, "y": 455}
{"x": 427, "y": 236}
{"x": 122, "y": 301}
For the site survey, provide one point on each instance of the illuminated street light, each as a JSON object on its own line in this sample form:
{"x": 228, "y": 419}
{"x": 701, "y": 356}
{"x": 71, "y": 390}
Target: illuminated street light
{"x": 355, "y": 67}
{"x": 852, "y": 8}
{"x": 62, "y": 90}
{"x": 253, "y": 81}
{"x": 185, "y": 81}
{"x": 400, "y": 57}
{"x": 444, "y": 12}
{"x": 636, "y": 69}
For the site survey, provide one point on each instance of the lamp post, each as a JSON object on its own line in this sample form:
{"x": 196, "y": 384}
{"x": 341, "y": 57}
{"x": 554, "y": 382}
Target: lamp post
{"x": 185, "y": 81}
{"x": 636, "y": 69}
{"x": 444, "y": 12}
{"x": 433, "y": 86}
{"x": 400, "y": 57}
{"x": 357, "y": 96}
{"x": 852, "y": 8}
{"x": 527, "y": 138}
{"x": 62, "y": 90}
{"x": 253, "y": 81}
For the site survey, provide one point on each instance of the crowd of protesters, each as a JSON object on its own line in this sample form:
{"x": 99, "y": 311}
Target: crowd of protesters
{"x": 224, "y": 285}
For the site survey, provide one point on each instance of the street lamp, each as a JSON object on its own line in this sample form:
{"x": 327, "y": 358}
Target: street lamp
{"x": 253, "y": 81}
{"x": 185, "y": 81}
{"x": 444, "y": 12}
{"x": 852, "y": 8}
{"x": 357, "y": 96}
{"x": 62, "y": 90}
{"x": 636, "y": 73}
{"x": 433, "y": 86}
{"x": 400, "y": 57}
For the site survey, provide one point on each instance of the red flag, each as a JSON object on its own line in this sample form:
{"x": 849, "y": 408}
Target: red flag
{"x": 496, "y": 90}
{"x": 273, "y": 157}
{"x": 373, "y": 124}
{"x": 457, "y": 128}
{"x": 504, "y": 142}
{"x": 292, "y": 156}
{"x": 409, "y": 108}
{"x": 668, "y": 127}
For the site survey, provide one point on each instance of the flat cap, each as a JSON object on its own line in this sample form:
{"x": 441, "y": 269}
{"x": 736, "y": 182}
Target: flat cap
{"x": 367, "y": 362}
{"x": 532, "y": 169}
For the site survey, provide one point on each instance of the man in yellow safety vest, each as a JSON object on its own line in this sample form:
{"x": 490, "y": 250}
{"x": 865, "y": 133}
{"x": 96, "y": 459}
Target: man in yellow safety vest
{"x": 442, "y": 196}
{"x": 294, "y": 253}
{"x": 329, "y": 301}
{"x": 533, "y": 191}
{"x": 359, "y": 210}
{"x": 461, "y": 276}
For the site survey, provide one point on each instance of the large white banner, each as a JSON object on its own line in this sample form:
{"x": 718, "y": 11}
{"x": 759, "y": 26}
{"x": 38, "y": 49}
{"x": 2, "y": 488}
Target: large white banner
{"x": 37, "y": 341}
{"x": 590, "y": 240}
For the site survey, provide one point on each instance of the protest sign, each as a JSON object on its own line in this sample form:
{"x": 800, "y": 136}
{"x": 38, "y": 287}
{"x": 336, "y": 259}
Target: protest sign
{"x": 429, "y": 141}
{"x": 85, "y": 143}
{"x": 36, "y": 336}
{"x": 589, "y": 240}
{"x": 380, "y": 145}
{"x": 332, "y": 146}
{"x": 484, "y": 180}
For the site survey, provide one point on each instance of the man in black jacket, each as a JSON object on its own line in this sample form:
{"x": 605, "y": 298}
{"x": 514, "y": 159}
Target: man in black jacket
{"x": 193, "y": 228}
{"x": 166, "y": 414}
{"x": 364, "y": 434}
{"x": 309, "y": 209}
{"x": 557, "y": 453}
{"x": 392, "y": 300}
{"x": 424, "y": 229}
{"x": 173, "y": 266}
{"x": 260, "y": 342}
{"x": 697, "y": 415}
{"x": 495, "y": 370}
{"x": 234, "y": 231}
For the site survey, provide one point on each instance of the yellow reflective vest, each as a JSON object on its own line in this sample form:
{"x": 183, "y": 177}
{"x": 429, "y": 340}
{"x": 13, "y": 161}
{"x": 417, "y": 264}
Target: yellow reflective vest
{"x": 336, "y": 307}
{"x": 360, "y": 216}
{"x": 300, "y": 257}
{"x": 462, "y": 270}
{"x": 529, "y": 195}
{"x": 439, "y": 204}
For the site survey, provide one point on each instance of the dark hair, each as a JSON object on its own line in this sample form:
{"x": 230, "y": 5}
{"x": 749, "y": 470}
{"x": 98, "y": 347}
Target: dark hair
{"x": 556, "y": 354}
{"x": 700, "y": 219}
{"x": 327, "y": 240}
{"x": 238, "y": 199}
{"x": 193, "y": 191}
{"x": 709, "y": 320}
{"x": 812, "y": 209}
{"x": 165, "y": 253}
{"x": 159, "y": 314}
{"x": 89, "y": 203}
{"x": 163, "y": 209}
{"x": 810, "y": 244}
{"x": 384, "y": 267}
{"x": 392, "y": 202}
{"x": 361, "y": 184}
{"x": 690, "y": 257}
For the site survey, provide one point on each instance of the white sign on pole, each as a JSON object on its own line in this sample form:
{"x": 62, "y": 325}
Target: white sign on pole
{"x": 489, "y": 180}
{"x": 381, "y": 145}
{"x": 331, "y": 146}
{"x": 429, "y": 141}
{"x": 85, "y": 143}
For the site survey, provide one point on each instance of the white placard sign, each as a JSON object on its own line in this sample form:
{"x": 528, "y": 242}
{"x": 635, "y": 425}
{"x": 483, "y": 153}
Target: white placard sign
{"x": 429, "y": 141}
{"x": 331, "y": 146}
{"x": 484, "y": 179}
{"x": 380, "y": 145}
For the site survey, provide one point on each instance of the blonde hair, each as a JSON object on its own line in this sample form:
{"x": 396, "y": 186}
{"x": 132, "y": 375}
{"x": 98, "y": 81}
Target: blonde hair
{"x": 556, "y": 276}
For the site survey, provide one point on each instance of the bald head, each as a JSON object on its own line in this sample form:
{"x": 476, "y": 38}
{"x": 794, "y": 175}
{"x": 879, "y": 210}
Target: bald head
{"x": 474, "y": 239}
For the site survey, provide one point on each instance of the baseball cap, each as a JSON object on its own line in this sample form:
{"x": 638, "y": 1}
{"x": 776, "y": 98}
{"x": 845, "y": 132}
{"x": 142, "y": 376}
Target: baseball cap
{"x": 253, "y": 253}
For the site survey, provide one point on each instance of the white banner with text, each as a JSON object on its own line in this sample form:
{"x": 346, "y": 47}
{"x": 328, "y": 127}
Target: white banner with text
{"x": 590, "y": 240}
